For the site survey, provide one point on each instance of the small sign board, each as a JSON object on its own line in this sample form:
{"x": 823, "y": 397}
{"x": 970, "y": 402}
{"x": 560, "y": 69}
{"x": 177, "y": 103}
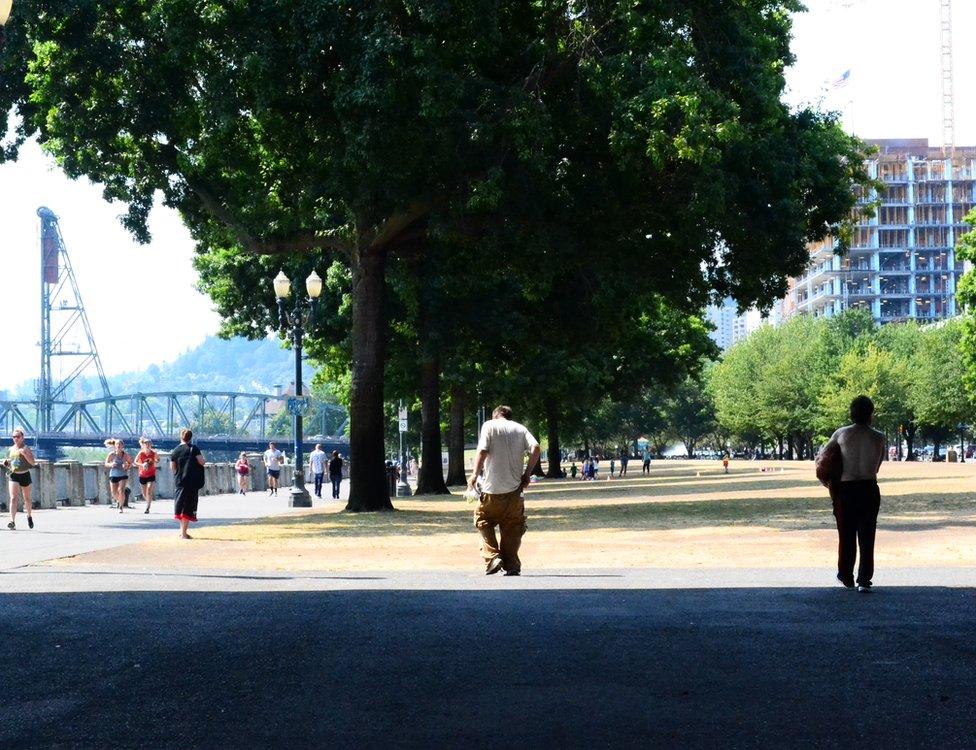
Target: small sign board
{"x": 297, "y": 405}
{"x": 403, "y": 413}
{"x": 403, "y": 424}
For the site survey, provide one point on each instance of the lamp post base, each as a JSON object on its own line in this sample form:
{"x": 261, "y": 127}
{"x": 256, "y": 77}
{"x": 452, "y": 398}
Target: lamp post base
{"x": 403, "y": 489}
{"x": 299, "y": 497}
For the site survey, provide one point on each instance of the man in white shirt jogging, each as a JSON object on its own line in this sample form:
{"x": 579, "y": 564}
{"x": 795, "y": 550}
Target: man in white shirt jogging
{"x": 502, "y": 446}
{"x": 273, "y": 458}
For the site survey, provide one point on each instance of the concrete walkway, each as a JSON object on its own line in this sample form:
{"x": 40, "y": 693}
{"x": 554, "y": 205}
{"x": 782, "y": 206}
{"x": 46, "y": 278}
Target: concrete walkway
{"x": 63, "y": 532}
{"x": 543, "y": 665}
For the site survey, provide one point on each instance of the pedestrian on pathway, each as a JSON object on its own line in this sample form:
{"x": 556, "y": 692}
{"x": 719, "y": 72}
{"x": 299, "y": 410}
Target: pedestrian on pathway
{"x": 19, "y": 461}
{"x": 624, "y": 460}
{"x": 118, "y": 463}
{"x": 646, "y": 456}
{"x": 725, "y": 462}
{"x": 243, "y": 472}
{"x": 335, "y": 473}
{"x": 187, "y": 463}
{"x": 502, "y": 446}
{"x": 857, "y": 499}
{"x": 573, "y": 470}
{"x": 146, "y": 460}
{"x": 316, "y": 463}
{"x": 273, "y": 458}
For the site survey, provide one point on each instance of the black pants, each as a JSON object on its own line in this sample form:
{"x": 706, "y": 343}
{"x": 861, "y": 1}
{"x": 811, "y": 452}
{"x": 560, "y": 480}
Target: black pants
{"x": 318, "y": 484}
{"x": 336, "y": 480}
{"x": 646, "y": 469}
{"x": 185, "y": 506}
{"x": 856, "y": 510}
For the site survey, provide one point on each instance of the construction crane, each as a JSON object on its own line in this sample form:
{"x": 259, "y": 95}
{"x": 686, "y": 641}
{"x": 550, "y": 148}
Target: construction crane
{"x": 948, "y": 108}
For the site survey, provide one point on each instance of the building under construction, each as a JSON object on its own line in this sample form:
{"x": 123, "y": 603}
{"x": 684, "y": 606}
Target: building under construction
{"x": 902, "y": 264}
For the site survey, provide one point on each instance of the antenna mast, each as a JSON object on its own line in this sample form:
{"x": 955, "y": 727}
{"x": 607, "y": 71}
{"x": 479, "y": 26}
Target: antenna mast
{"x": 61, "y": 301}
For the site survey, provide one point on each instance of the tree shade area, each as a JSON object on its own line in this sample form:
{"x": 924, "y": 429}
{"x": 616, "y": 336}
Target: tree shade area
{"x": 513, "y": 200}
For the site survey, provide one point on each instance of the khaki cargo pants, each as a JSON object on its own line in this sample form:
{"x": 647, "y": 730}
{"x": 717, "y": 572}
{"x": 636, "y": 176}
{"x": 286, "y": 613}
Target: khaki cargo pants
{"x": 507, "y": 511}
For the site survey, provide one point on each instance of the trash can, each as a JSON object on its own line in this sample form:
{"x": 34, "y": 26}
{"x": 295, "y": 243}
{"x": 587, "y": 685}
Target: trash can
{"x": 391, "y": 478}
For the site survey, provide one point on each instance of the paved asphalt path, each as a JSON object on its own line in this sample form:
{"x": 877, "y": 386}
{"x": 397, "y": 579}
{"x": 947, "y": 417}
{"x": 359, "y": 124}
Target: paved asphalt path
{"x": 62, "y": 532}
{"x": 572, "y": 659}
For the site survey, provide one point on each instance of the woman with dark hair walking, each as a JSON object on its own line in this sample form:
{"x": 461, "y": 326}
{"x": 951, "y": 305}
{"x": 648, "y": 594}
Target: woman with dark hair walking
{"x": 187, "y": 462}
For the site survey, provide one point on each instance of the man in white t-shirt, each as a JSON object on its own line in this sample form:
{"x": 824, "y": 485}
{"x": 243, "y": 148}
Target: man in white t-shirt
{"x": 316, "y": 462}
{"x": 273, "y": 458}
{"x": 502, "y": 446}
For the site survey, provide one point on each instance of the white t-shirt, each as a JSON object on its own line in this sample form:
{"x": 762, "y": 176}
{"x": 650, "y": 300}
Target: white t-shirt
{"x": 507, "y": 442}
{"x": 317, "y": 461}
{"x": 273, "y": 459}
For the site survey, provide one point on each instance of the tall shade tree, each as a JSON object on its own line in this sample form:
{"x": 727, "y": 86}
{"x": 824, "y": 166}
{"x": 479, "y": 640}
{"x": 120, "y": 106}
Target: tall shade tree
{"x": 938, "y": 393}
{"x": 335, "y": 130}
{"x": 875, "y": 373}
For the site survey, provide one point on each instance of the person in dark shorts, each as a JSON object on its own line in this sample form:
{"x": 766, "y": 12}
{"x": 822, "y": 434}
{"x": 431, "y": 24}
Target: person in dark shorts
{"x": 146, "y": 461}
{"x": 335, "y": 473}
{"x": 187, "y": 463}
{"x": 273, "y": 459}
{"x": 19, "y": 461}
{"x": 118, "y": 463}
{"x": 857, "y": 499}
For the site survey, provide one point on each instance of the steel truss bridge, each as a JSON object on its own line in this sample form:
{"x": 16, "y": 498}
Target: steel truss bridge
{"x": 219, "y": 420}
{"x": 243, "y": 420}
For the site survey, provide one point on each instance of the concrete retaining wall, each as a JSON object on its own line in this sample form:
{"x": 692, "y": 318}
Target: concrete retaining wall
{"x": 72, "y": 483}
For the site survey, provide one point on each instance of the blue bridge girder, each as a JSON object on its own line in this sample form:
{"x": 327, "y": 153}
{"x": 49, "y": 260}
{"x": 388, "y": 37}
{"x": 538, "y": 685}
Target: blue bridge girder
{"x": 239, "y": 417}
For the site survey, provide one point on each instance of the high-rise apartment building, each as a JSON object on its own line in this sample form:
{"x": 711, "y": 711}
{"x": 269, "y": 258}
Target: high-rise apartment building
{"x": 902, "y": 263}
{"x": 730, "y": 326}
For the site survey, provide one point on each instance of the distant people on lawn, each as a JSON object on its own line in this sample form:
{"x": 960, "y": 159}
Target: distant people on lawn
{"x": 613, "y": 466}
{"x": 502, "y": 446}
{"x": 273, "y": 459}
{"x": 243, "y": 469}
{"x": 19, "y": 462}
{"x": 646, "y": 456}
{"x": 572, "y": 470}
{"x": 857, "y": 498}
{"x": 187, "y": 463}
{"x": 335, "y": 473}
{"x": 316, "y": 463}
{"x": 146, "y": 460}
{"x": 624, "y": 460}
{"x": 118, "y": 463}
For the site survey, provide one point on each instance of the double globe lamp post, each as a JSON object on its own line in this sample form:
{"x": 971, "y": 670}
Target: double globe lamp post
{"x": 293, "y": 325}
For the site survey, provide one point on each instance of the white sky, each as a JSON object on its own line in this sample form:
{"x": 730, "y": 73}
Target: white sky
{"x": 890, "y": 46}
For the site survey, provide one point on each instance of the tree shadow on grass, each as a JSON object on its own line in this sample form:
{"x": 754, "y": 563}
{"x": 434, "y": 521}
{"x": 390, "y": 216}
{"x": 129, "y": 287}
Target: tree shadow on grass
{"x": 903, "y": 513}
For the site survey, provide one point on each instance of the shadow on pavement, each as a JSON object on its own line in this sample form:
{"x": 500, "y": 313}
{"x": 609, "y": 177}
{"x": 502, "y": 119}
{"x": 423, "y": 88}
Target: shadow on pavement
{"x": 779, "y": 668}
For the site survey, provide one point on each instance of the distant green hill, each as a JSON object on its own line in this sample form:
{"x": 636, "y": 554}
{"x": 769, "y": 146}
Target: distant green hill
{"x": 215, "y": 365}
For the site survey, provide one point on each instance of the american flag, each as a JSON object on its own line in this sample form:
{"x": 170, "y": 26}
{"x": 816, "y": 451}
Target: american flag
{"x": 845, "y": 78}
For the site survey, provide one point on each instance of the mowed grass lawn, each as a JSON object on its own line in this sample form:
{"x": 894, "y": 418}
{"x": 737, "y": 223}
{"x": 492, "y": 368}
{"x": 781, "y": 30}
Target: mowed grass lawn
{"x": 685, "y": 514}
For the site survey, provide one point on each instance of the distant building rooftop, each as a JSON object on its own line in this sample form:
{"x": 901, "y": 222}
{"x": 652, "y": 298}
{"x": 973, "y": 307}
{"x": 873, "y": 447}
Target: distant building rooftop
{"x": 917, "y": 147}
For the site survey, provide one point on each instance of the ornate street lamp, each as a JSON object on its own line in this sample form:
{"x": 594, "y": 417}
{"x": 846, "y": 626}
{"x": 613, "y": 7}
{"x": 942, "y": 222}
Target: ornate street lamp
{"x": 293, "y": 324}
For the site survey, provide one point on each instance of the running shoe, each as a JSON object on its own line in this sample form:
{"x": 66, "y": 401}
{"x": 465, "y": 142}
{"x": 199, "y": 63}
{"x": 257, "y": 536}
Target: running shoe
{"x": 30, "y": 522}
{"x": 11, "y": 526}
{"x": 494, "y": 565}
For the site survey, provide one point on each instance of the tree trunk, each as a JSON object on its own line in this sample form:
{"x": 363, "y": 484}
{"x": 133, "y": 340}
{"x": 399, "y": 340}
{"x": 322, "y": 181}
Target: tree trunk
{"x": 779, "y": 438}
{"x": 368, "y": 489}
{"x": 455, "y": 440}
{"x": 431, "y": 478}
{"x": 910, "y": 440}
{"x": 552, "y": 424}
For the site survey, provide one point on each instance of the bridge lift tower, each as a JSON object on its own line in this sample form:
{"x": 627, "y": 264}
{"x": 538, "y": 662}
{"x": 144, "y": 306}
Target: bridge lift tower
{"x": 66, "y": 335}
